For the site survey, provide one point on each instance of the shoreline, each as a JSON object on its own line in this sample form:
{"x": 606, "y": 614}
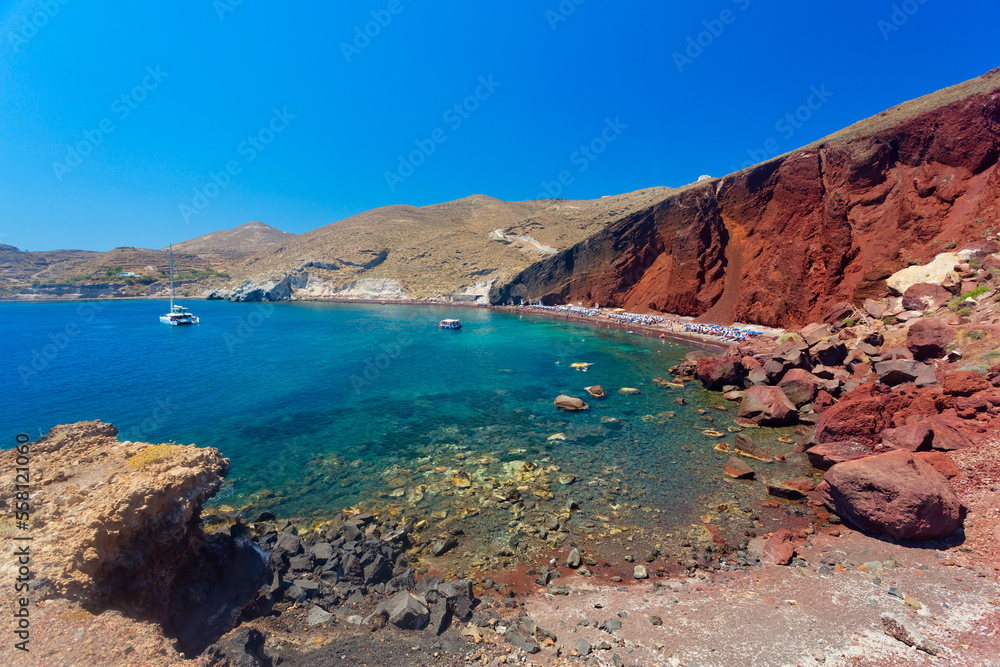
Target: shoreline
{"x": 704, "y": 341}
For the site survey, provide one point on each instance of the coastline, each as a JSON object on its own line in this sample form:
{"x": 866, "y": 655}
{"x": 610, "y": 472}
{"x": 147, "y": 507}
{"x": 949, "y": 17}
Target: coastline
{"x": 703, "y": 341}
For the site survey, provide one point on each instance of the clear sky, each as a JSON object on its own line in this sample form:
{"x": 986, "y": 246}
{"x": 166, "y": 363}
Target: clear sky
{"x": 149, "y": 122}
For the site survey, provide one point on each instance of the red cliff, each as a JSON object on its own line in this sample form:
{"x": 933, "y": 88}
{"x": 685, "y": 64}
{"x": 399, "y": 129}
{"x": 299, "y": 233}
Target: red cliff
{"x": 779, "y": 243}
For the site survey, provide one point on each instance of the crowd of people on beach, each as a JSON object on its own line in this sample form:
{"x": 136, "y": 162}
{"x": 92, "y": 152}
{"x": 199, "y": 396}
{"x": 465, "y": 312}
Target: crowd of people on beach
{"x": 722, "y": 332}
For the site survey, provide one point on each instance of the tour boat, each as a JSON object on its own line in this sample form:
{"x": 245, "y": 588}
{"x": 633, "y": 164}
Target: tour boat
{"x": 178, "y": 315}
{"x": 450, "y": 324}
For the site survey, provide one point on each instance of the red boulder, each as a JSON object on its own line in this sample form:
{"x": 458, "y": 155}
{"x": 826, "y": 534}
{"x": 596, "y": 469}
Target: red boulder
{"x": 827, "y": 454}
{"x": 800, "y": 386}
{"x": 862, "y": 415}
{"x": 767, "y": 406}
{"x": 928, "y": 339}
{"x": 895, "y": 494}
{"x": 779, "y": 548}
{"x": 964, "y": 383}
{"x": 717, "y": 372}
{"x": 911, "y": 437}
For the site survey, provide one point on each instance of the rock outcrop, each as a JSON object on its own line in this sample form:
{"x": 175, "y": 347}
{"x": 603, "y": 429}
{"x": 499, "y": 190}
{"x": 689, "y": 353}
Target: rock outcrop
{"x": 117, "y": 524}
{"x": 850, "y": 211}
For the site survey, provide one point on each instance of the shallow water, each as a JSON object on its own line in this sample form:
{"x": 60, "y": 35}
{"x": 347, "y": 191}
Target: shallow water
{"x": 321, "y": 406}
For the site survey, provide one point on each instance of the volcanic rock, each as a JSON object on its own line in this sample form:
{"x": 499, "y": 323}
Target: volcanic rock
{"x": 925, "y": 296}
{"x": 827, "y": 454}
{"x": 928, "y": 339}
{"x": 814, "y": 334}
{"x": 767, "y": 406}
{"x": 948, "y": 432}
{"x": 570, "y": 403}
{"x": 779, "y": 548}
{"x": 861, "y": 416}
{"x": 404, "y": 610}
{"x": 800, "y": 386}
{"x": 964, "y": 383}
{"x": 875, "y": 308}
{"x": 894, "y": 494}
{"x": 899, "y": 371}
{"x": 830, "y": 354}
{"x": 745, "y": 446}
{"x": 717, "y": 372}
{"x": 940, "y": 462}
{"x": 737, "y": 469}
{"x": 911, "y": 437}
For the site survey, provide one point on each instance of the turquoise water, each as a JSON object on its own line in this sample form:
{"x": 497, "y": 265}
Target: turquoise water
{"x": 321, "y": 406}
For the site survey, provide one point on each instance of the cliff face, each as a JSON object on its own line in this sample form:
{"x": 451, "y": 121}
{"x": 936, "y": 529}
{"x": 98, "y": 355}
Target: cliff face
{"x": 779, "y": 243}
{"x": 116, "y": 524}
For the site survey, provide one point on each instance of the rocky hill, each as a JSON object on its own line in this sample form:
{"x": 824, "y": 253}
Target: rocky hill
{"x": 233, "y": 244}
{"x": 779, "y": 243}
{"x": 397, "y": 251}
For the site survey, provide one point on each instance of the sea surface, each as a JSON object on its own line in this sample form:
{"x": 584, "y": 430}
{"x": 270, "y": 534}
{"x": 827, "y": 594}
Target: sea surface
{"x": 324, "y": 406}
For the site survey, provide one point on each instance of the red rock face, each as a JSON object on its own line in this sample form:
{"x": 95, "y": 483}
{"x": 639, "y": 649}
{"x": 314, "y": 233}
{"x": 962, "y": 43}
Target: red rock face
{"x": 862, "y": 415}
{"x": 783, "y": 242}
{"x": 767, "y": 406}
{"x": 895, "y": 494}
{"x": 964, "y": 383}
{"x": 928, "y": 339}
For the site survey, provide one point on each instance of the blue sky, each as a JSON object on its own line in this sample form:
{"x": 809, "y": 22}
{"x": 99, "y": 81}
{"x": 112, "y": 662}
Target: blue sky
{"x": 145, "y": 123}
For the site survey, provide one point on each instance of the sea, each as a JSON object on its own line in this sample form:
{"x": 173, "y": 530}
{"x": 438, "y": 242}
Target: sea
{"x": 322, "y": 407}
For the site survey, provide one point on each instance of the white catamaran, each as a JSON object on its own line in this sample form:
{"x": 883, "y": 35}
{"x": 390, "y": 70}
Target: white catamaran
{"x": 178, "y": 315}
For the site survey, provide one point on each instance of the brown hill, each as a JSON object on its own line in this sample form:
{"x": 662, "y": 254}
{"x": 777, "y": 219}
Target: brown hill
{"x": 442, "y": 247}
{"x": 232, "y": 244}
{"x": 780, "y": 242}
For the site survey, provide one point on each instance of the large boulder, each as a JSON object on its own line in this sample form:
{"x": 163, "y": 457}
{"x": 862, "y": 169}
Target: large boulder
{"x": 813, "y": 334}
{"x": 404, "y": 610}
{"x": 861, "y": 415}
{"x": 929, "y": 339}
{"x": 895, "y": 494}
{"x": 949, "y": 432}
{"x": 911, "y": 437}
{"x": 934, "y": 272}
{"x": 767, "y": 406}
{"x": 925, "y": 296}
{"x": 964, "y": 383}
{"x": 717, "y": 372}
{"x": 830, "y": 354}
{"x": 800, "y": 386}
{"x": 899, "y": 371}
{"x": 825, "y": 455}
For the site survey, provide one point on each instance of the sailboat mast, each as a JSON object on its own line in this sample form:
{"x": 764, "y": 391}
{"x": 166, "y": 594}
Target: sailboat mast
{"x": 171, "y": 277}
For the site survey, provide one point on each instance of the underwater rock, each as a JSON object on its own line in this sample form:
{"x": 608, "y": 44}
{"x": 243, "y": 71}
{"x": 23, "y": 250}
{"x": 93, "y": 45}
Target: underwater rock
{"x": 570, "y": 403}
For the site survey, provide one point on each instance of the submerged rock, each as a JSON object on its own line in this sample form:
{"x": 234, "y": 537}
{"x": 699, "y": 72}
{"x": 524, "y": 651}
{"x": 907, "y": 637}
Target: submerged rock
{"x": 569, "y": 403}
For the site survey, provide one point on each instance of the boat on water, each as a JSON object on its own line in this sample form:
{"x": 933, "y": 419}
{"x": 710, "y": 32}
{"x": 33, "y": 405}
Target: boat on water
{"x": 450, "y": 324}
{"x": 178, "y": 315}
